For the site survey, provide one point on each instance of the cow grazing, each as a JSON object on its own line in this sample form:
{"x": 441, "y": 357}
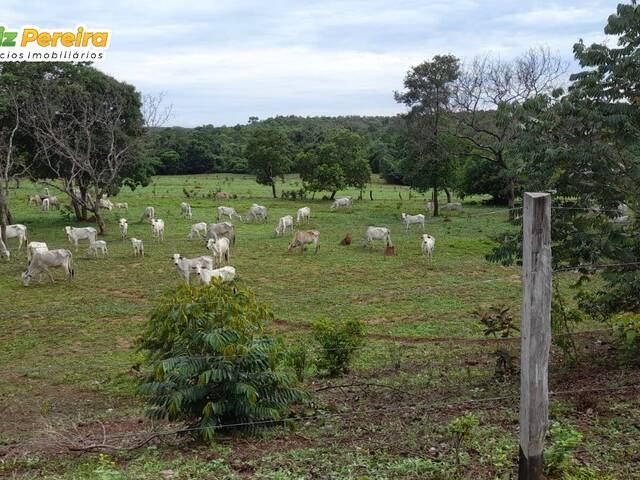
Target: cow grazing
{"x": 98, "y": 246}
{"x": 223, "y": 229}
{"x": 222, "y": 196}
{"x": 224, "y": 274}
{"x": 76, "y": 234}
{"x": 302, "y": 238}
{"x": 409, "y": 220}
{"x": 34, "y": 200}
{"x": 157, "y": 229}
{"x": 54, "y": 202}
{"x": 185, "y": 210}
{"x": 148, "y": 214}
{"x": 121, "y": 206}
{"x": 34, "y": 247}
{"x": 229, "y": 212}
{"x": 18, "y": 231}
{"x": 256, "y": 212}
{"x": 303, "y": 215}
{"x": 123, "y": 226}
{"x": 105, "y": 203}
{"x": 186, "y": 265}
{"x": 377, "y": 234}
{"x": 220, "y": 249}
{"x": 346, "y": 240}
{"x": 43, "y": 261}
{"x": 283, "y": 223}
{"x": 45, "y": 205}
{"x": 344, "y": 202}
{"x": 197, "y": 229}
{"x": 138, "y": 247}
{"x": 451, "y": 207}
{"x": 427, "y": 246}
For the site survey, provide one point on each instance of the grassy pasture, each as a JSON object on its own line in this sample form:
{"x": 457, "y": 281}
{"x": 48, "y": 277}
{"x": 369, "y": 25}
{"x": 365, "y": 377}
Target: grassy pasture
{"x": 67, "y": 348}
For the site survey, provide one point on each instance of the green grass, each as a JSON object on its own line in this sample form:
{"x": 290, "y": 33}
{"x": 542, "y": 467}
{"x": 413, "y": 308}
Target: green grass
{"x": 66, "y": 348}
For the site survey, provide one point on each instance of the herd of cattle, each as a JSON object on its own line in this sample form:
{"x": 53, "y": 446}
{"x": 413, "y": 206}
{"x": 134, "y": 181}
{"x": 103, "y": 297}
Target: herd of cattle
{"x": 218, "y": 238}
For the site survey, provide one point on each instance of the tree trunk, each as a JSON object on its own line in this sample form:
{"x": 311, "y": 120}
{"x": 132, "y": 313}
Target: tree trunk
{"x": 511, "y": 199}
{"x": 446, "y": 190}
{"x": 102, "y": 226}
{"x": 360, "y": 196}
{"x": 333, "y": 194}
{"x": 17, "y": 183}
{"x": 83, "y": 205}
{"x": 3, "y": 217}
{"x": 371, "y": 194}
{"x": 273, "y": 189}
{"x": 436, "y": 210}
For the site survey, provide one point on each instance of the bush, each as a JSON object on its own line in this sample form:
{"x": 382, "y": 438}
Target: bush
{"x": 558, "y": 456}
{"x": 298, "y": 358}
{"x": 498, "y": 322}
{"x": 338, "y": 340}
{"x": 212, "y": 362}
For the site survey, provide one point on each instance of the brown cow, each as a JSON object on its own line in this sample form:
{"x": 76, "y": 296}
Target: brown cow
{"x": 301, "y": 238}
{"x": 390, "y": 251}
{"x": 346, "y": 240}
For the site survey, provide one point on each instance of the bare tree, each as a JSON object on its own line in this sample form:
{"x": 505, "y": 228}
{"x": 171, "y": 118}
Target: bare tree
{"x": 156, "y": 114}
{"x": 10, "y": 165}
{"x": 486, "y": 94}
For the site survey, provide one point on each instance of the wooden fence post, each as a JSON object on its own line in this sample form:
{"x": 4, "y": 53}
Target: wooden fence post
{"x": 535, "y": 333}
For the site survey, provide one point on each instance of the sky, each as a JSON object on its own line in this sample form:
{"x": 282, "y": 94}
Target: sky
{"x": 219, "y": 62}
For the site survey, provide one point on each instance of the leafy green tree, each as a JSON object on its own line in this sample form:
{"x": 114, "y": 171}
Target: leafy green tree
{"x": 268, "y": 155}
{"x": 428, "y": 94}
{"x": 212, "y": 363}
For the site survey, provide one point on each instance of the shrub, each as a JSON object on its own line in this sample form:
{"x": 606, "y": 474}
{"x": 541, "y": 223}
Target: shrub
{"x": 460, "y": 430}
{"x": 338, "y": 340}
{"x": 563, "y": 322}
{"x": 298, "y": 357}
{"x": 498, "y": 322}
{"x": 558, "y": 456}
{"x": 212, "y": 362}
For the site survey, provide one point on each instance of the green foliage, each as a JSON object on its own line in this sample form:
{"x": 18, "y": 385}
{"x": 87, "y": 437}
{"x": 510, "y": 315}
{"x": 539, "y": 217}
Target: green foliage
{"x": 629, "y": 330}
{"x": 563, "y": 322}
{"x": 558, "y": 456}
{"x": 213, "y": 364}
{"x": 498, "y": 322}
{"x": 268, "y": 155}
{"x": 460, "y": 430}
{"x": 298, "y": 358}
{"x": 339, "y": 341}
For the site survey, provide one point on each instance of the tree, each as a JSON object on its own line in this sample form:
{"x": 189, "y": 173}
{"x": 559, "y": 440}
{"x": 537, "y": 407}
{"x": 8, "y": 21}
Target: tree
{"x": 429, "y": 88}
{"x": 10, "y": 162}
{"x": 486, "y": 97}
{"x": 88, "y": 134}
{"x": 268, "y": 155}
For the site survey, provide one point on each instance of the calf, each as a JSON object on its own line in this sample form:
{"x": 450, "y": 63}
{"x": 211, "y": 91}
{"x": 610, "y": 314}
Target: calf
{"x": 98, "y": 245}
{"x": 220, "y": 249}
{"x": 76, "y": 234}
{"x": 186, "y": 265}
{"x": 157, "y": 229}
{"x": 121, "y": 206}
{"x": 390, "y": 251}
{"x": 346, "y": 240}
{"x": 54, "y": 202}
{"x": 224, "y": 274}
{"x": 228, "y": 211}
{"x": 223, "y": 229}
{"x": 198, "y": 229}
{"x": 377, "y": 233}
{"x": 302, "y": 238}
{"x": 148, "y": 214}
{"x": 427, "y": 246}
{"x": 34, "y": 200}
{"x": 185, "y": 210}
{"x": 43, "y": 261}
{"x": 123, "y": 226}
{"x": 34, "y": 247}
{"x": 45, "y": 205}
{"x": 344, "y": 202}
{"x": 283, "y": 223}
{"x": 304, "y": 214}
{"x": 409, "y": 220}
{"x": 138, "y": 247}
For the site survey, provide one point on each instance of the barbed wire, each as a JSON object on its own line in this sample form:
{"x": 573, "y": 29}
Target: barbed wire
{"x": 594, "y": 266}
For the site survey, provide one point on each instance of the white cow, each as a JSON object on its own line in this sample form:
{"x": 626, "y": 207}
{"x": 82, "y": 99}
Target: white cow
{"x": 157, "y": 229}
{"x": 185, "y": 210}
{"x": 18, "y": 231}
{"x": 256, "y": 212}
{"x": 121, "y": 206}
{"x": 85, "y": 233}
{"x": 220, "y": 249}
{"x": 225, "y": 274}
{"x": 455, "y": 206}
{"x": 377, "y": 233}
{"x": 217, "y": 230}
{"x": 34, "y": 200}
{"x": 344, "y": 202}
{"x": 54, "y": 202}
{"x": 105, "y": 203}
{"x": 138, "y": 247}
{"x": 148, "y": 214}
{"x": 34, "y": 247}
{"x": 283, "y": 223}
{"x": 123, "y": 226}
{"x": 4, "y": 250}
{"x": 43, "y": 261}
{"x": 228, "y": 211}
{"x": 199, "y": 229}
{"x": 98, "y": 245}
{"x": 186, "y": 265}
{"x": 304, "y": 214}
{"x": 409, "y": 220}
{"x": 427, "y": 246}
{"x": 302, "y": 238}
{"x": 45, "y": 205}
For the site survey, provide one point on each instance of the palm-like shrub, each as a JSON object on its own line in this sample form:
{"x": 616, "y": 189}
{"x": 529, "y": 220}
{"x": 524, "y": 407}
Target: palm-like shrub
{"x": 213, "y": 364}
